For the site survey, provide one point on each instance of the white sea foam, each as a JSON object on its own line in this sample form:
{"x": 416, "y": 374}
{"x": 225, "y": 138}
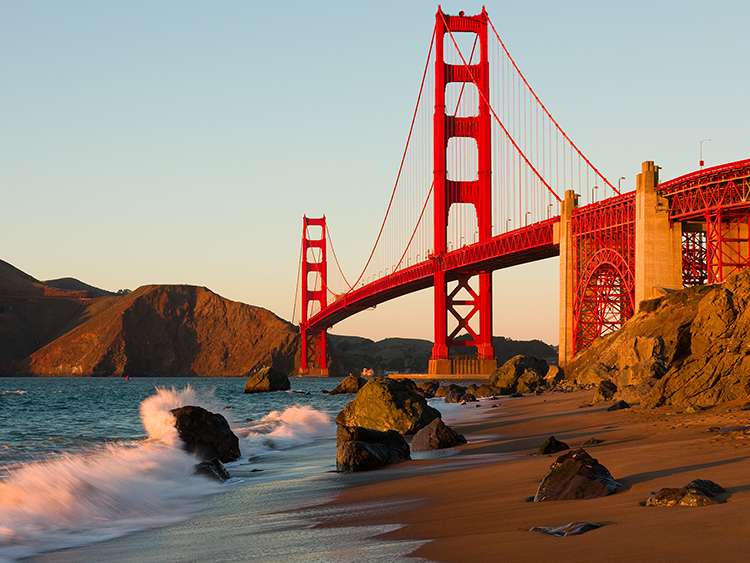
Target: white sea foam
{"x": 280, "y": 430}
{"x": 12, "y": 392}
{"x": 77, "y": 499}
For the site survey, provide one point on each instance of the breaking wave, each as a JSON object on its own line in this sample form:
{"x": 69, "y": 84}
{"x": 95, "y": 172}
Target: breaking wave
{"x": 78, "y": 499}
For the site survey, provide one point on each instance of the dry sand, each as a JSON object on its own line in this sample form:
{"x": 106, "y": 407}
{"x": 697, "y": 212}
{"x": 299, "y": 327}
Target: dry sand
{"x": 480, "y": 512}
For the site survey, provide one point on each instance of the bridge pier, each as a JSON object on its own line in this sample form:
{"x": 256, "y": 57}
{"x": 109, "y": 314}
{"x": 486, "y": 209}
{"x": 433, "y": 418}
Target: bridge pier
{"x": 658, "y": 241}
{"x": 564, "y": 237}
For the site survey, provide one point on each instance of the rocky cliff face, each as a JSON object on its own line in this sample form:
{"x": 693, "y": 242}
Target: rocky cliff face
{"x": 690, "y": 348}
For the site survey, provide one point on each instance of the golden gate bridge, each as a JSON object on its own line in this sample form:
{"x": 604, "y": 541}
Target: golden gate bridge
{"x": 488, "y": 179}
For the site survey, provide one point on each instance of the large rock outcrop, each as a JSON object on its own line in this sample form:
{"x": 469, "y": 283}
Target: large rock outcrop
{"x": 388, "y": 404}
{"x": 363, "y": 449}
{"x": 206, "y": 434}
{"x": 685, "y": 349}
{"x": 267, "y": 379}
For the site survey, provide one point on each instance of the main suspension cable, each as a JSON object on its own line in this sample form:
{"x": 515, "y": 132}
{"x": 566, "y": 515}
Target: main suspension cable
{"x": 546, "y": 111}
{"x": 494, "y": 114}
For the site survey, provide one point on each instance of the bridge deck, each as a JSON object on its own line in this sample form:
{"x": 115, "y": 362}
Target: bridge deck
{"x": 520, "y": 246}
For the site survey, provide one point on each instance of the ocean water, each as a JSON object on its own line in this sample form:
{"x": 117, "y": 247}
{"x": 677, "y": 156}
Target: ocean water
{"x": 84, "y": 460}
{"x": 92, "y": 469}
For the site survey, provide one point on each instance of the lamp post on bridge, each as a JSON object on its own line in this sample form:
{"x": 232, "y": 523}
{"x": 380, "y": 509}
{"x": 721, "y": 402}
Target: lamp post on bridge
{"x": 619, "y": 181}
{"x": 701, "y": 162}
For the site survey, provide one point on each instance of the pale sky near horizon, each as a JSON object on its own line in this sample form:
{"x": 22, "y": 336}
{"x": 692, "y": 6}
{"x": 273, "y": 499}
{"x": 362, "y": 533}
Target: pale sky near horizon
{"x": 181, "y": 142}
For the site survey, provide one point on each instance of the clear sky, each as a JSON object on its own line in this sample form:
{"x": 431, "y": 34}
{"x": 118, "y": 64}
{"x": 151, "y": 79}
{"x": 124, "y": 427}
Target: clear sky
{"x": 181, "y": 142}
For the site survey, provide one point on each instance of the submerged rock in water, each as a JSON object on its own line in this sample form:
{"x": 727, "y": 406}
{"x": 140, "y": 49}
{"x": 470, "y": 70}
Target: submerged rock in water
{"x": 362, "y": 449}
{"x": 552, "y": 445}
{"x": 576, "y": 475}
{"x": 699, "y": 492}
{"x": 213, "y": 469}
{"x": 267, "y": 379}
{"x": 435, "y": 436}
{"x": 570, "y": 529}
{"x": 206, "y": 434}
{"x": 388, "y": 404}
{"x": 350, "y": 384}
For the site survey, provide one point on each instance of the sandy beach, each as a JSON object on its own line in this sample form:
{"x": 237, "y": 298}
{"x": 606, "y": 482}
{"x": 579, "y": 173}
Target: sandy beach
{"x": 480, "y": 512}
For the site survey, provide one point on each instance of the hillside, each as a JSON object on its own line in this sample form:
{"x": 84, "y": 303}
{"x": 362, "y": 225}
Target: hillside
{"x": 68, "y": 327}
{"x": 72, "y": 284}
{"x": 171, "y": 330}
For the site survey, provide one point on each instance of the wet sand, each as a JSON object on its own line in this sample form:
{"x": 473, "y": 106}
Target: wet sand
{"x": 479, "y": 512}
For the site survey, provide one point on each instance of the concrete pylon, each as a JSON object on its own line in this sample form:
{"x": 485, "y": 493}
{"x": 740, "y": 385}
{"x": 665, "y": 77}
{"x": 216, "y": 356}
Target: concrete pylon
{"x": 658, "y": 243}
{"x": 564, "y": 237}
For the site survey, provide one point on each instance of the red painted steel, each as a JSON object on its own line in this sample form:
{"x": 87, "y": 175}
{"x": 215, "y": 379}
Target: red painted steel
{"x": 318, "y": 264}
{"x": 604, "y": 267}
{"x": 527, "y": 244}
{"x": 477, "y": 193}
{"x": 715, "y": 202}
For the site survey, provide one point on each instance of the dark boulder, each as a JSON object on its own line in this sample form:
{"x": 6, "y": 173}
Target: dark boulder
{"x": 605, "y": 391}
{"x": 436, "y": 436}
{"x": 522, "y": 374}
{"x": 388, "y": 404}
{"x": 427, "y": 388}
{"x": 699, "y": 492}
{"x": 552, "y": 445}
{"x": 455, "y": 393}
{"x": 206, "y": 434}
{"x": 576, "y": 475}
{"x": 618, "y": 406}
{"x": 485, "y": 391}
{"x": 213, "y": 469}
{"x": 267, "y": 379}
{"x": 350, "y": 384}
{"x": 362, "y": 449}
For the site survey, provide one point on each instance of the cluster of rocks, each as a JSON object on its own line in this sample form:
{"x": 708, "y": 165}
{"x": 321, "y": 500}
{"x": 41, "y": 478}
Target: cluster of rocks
{"x": 686, "y": 349}
{"x": 577, "y": 475}
{"x": 372, "y": 427}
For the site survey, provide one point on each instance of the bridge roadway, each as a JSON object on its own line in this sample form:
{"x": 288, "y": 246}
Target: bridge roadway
{"x": 691, "y": 197}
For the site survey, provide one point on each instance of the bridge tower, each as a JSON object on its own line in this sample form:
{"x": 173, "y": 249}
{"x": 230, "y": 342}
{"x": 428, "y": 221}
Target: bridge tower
{"x": 315, "y": 261}
{"x": 448, "y": 191}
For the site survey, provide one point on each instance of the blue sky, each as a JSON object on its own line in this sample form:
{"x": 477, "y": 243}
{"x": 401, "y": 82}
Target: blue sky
{"x": 181, "y": 142}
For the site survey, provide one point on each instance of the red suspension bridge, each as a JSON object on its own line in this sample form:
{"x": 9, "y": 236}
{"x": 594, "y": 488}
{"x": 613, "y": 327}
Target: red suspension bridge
{"x": 488, "y": 179}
